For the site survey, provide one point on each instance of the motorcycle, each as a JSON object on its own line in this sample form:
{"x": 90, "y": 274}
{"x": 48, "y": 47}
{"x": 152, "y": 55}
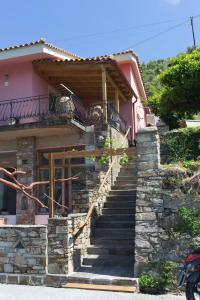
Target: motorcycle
{"x": 190, "y": 274}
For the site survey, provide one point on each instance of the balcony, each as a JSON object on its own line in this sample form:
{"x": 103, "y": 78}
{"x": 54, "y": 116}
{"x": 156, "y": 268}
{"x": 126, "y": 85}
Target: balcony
{"x": 56, "y": 108}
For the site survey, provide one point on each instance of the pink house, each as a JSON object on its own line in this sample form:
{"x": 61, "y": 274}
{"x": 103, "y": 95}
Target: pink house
{"x": 52, "y": 100}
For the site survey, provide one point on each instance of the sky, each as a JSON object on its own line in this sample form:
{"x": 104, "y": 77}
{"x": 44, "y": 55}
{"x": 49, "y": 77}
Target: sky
{"x": 154, "y": 29}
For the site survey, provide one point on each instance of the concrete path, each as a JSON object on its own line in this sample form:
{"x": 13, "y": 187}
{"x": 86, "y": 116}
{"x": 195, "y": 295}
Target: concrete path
{"x": 18, "y": 292}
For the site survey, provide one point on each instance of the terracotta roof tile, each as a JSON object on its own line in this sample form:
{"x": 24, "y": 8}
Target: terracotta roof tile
{"x": 39, "y": 42}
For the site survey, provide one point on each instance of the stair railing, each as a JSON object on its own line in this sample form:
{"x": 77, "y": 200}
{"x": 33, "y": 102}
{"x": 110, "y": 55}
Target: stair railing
{"x": 90, "y": 211}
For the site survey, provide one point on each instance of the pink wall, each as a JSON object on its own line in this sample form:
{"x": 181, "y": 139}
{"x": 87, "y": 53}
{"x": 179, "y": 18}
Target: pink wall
{"x": 23, "y": 81}
{"x": 132, "y": 111}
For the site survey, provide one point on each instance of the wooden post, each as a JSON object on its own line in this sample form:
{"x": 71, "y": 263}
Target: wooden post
{"x": 117, "y": 99}
{"x": 52, "y": 186}
{"x": 104, "y": 94}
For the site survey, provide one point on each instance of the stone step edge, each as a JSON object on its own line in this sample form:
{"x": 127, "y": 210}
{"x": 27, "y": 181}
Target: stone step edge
{"x": 100, "y": 287}
{"x": 59, "y": 280}
{"x": 102, "y": 279}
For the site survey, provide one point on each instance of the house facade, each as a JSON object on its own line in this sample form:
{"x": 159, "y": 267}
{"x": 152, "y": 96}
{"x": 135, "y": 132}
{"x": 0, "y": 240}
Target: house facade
{"x": 52, "y": 100}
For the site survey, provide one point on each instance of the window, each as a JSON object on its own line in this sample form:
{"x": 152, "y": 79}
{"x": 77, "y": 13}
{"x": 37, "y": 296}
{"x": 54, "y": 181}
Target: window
{"x": 64, "y": 168}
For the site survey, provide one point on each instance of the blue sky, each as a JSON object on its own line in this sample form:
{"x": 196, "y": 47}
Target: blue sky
{"x": 152, "y": 28}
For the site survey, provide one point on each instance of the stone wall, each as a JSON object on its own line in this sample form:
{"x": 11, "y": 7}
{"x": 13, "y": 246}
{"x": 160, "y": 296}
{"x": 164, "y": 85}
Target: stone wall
{"x": 159, "y": 196}
{"x": 148, "y": 207}
{"x": 23, "y": 252}
{"x": 65, "y": 251}
{"x": 37, "y": 255}
{"x": 26, "y": 161}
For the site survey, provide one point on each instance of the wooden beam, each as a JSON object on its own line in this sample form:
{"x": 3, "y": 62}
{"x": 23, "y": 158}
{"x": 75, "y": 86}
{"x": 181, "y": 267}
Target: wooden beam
{"x": 116, "y": 87}
{"x": 85, "y": 153}
{"x": 100, "y": 287}
{"x": 67, "y": 67}
{"x": 104, "y": 95}
{"x": 117, "y": 99}
{"x": 52, "y": 185}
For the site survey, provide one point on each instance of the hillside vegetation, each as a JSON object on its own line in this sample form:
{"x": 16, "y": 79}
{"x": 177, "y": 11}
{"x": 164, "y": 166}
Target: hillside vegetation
{"x": 173, "y": 86}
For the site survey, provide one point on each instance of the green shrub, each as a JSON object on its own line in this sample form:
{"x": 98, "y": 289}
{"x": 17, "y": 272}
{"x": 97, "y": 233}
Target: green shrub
{"x": 156, "y": 283}
{"x": 182, "y": 144}
{"x": 167, "y": 272}
{"x": 123, "y": 159}
{"x": 151, "y": 284}
{"x": 189, "y": 221}
{"x": 191, "y": 164}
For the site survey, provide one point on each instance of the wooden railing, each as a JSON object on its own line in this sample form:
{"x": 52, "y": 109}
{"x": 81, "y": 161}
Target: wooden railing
{"x": 90, "y": 211}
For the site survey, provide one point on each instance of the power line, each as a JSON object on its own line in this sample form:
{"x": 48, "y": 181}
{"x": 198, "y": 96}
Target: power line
{"x": 158, "y": 34}
{"x": 121, "y": 29}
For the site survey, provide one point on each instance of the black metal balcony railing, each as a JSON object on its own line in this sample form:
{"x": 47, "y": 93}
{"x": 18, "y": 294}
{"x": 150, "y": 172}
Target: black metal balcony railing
{"x": 39, "y": 108}
{"x": 115, "y": 119}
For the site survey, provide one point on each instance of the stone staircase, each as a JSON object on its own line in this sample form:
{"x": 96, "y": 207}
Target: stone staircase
{"x": 110, "y": 257}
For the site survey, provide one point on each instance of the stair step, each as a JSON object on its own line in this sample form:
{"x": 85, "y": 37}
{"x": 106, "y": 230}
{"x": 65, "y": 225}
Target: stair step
{"x": 128, "y": 180}
{"x": 102, "y": 250}
{"x": 100, "y": 287}
{"x": 114, "y": 224}
{"x": 124, "y": 198}
{"x": 128, "y": 171}
{"x": 123, "y": 192}
{"x": 115, "y": 218}
{"x": 97, "y": 278}
{"x": 108, "y": 211}
{"x": 124, "y": 186}
{"x": 119, "y": 204}
{"x": 106, "y": 242}
{"x": 107, "y": 260}
{"x": 114, "y": 233}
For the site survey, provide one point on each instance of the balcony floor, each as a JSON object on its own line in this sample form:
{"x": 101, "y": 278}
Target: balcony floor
{"x": 40, "y": 129}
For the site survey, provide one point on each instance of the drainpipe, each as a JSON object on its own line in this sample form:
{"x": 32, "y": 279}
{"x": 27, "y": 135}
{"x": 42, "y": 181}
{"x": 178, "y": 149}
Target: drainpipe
{"x": 134, "y": 123}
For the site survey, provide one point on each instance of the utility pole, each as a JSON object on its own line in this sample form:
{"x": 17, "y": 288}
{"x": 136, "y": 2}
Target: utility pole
{"x": 192, "y": 25}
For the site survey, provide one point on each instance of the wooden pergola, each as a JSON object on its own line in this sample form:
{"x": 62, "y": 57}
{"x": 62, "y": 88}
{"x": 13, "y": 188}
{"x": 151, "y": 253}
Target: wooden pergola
{"x": 95, "y": 80}
{"x": 74, "y": 154}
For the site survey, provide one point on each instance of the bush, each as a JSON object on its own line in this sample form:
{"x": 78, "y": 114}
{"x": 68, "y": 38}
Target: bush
{"x": 151, "y": 284}
{"x": 181, "y": 145}
{"x": 167, "y": 272}
{"x": 191, "y": 164}
{"x": 189, "y": 221}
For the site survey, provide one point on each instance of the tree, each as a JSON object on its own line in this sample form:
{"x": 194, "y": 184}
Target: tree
{"x": 27, "y": 190}
{"x": 179, "y": 95}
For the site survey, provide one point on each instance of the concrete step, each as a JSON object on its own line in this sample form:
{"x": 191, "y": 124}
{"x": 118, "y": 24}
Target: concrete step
{"x": 110, "y": 211}
{"x": 124, "y": 198}
{"x": 123, "y": 186}
{"x": 116, "y": 233}
{"x": 112, "y": 242}
{"x": 102, "y": 250}
{"x": 119, "y": 204}
{"x": 116, "y": 217}
{"x": 126, "y": 178}
{"x": 107, "y": 260}
{"x": 128, "y": 172}
{"x": 100, "y": 287}
{"x": 96, "y": 277}
{"x": 126, "y": 181}
{"x": 120, "y": 192}
{"x": 114, "y": 224}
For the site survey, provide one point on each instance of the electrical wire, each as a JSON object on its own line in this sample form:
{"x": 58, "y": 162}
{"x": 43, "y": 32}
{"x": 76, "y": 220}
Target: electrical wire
{"x": 123, "y": 29}
{"x": 158, "y": 34}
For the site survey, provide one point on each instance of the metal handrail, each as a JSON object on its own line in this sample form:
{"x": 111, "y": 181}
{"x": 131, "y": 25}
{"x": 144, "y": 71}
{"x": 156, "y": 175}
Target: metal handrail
{"x": 42, "y": 107}
{"x": 63, "y": 105}
{"x": 90, "y": 211}
{"x": 115, "y": 119}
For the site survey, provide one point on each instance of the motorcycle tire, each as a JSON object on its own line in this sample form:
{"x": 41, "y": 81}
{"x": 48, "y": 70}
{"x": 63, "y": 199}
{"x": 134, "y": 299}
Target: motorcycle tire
{"x": 191, "y": 291}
